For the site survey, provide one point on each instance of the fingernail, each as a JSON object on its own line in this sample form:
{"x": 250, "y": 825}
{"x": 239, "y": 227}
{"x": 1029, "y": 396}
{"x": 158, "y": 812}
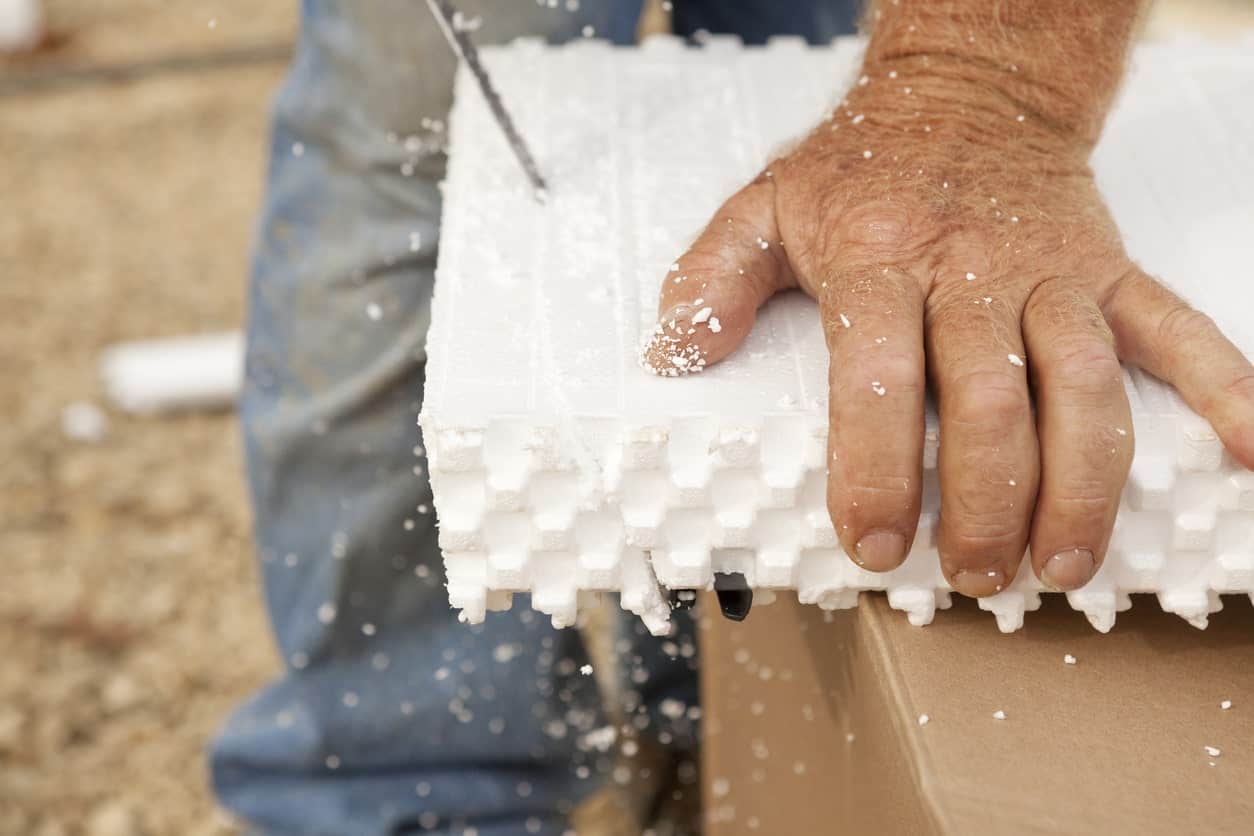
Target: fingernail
{"x": 1069, "y": 570}
{"x": 880, "y": 551}
{"x": 978, "y": 583}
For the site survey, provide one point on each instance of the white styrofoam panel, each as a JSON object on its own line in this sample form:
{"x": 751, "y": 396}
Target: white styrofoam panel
{"x": 561, "y": 468}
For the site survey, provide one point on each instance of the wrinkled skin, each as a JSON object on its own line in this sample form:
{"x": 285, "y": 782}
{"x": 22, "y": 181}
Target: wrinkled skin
{"x": 969, "y": 251}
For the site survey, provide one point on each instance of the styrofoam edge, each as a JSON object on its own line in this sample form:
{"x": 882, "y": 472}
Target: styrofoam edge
{"x": 1190, "y": 587}
{"x": 643, "y": 594}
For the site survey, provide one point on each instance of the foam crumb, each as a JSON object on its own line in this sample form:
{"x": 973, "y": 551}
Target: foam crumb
{"x": 84, "y": 421}
{"x": 667, "y": 355}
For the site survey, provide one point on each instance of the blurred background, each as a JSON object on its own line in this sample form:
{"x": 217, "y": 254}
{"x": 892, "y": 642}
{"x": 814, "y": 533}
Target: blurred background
{"x": 129, "y": 617}
{"x": 132, "y": 135}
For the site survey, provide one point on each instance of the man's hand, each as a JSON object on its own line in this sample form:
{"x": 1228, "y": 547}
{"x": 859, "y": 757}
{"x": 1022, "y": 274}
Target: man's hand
{"x": 946, "y": 221}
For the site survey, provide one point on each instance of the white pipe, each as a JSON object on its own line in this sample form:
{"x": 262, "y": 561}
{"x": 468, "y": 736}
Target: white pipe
{"x": 21, "y": 24}
{"x": 203, "y": 372}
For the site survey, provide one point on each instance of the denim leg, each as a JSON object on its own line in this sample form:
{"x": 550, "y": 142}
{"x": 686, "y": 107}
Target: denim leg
{"x": 818, "y": 21}
{"x": 390, "y": 717}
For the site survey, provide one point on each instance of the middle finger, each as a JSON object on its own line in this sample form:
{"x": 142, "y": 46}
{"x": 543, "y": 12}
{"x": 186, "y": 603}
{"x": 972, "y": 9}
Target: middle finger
{"x": 989, "y": 461}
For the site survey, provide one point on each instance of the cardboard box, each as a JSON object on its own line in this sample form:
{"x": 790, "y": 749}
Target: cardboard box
{"x": 813, "y": 722}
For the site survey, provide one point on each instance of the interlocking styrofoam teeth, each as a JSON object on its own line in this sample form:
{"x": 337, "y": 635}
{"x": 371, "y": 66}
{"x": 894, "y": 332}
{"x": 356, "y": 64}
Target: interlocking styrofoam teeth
{"x": 561, "y": 469}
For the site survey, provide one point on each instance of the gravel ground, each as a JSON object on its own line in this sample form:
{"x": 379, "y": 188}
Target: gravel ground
{"x": 127, "y": 213}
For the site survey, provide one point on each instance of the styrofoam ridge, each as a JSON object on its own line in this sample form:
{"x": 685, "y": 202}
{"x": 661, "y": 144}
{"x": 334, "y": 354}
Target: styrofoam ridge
{"x": 562, "y": 471}
{"x": 643, "y": 508}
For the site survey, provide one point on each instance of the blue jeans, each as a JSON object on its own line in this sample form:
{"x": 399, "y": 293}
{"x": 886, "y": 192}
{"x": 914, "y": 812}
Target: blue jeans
{"x": 390, "y": 716}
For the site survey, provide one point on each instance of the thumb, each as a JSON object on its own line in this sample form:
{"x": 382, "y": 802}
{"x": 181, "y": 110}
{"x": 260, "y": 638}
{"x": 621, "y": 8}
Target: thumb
{"x": 712, "y": 293}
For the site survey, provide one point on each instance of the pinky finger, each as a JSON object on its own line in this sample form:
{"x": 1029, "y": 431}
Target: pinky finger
{"x": 1159, "y": 332}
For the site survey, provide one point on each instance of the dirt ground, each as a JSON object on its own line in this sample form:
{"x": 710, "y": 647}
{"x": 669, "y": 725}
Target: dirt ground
{"x": 129, "y": 617}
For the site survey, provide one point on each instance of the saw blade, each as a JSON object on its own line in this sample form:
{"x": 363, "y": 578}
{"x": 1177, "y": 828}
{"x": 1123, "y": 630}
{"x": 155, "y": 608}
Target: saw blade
{"x": 445, "y": 15}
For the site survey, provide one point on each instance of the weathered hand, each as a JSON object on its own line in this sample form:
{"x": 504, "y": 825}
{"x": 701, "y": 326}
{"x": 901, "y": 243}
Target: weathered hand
{"x": 950, "y": 236}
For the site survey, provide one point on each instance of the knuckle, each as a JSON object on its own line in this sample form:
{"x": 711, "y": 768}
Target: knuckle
{"x": 1083, "y": 500}
{"x": 979, "y": 517}
{"x": 893, "y": 491}
{"x": 1085, "y": 366}
{"x": 988, "y": 398}
{"x": 981, "y": 538}
{"x": 1182, "y": 324}
{"x": 1109, "y": 452}
{"x": 898, "y": 372}
{"x": 960, "y": 330}
{"x": 1054, "y": 305}
{"x": 856, "y": 489}
{"x": 881, "y": 225}
{"x": 710, "y": 255}
{"x": 883, "y": 229}
{"x": 1242, "y": 387}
